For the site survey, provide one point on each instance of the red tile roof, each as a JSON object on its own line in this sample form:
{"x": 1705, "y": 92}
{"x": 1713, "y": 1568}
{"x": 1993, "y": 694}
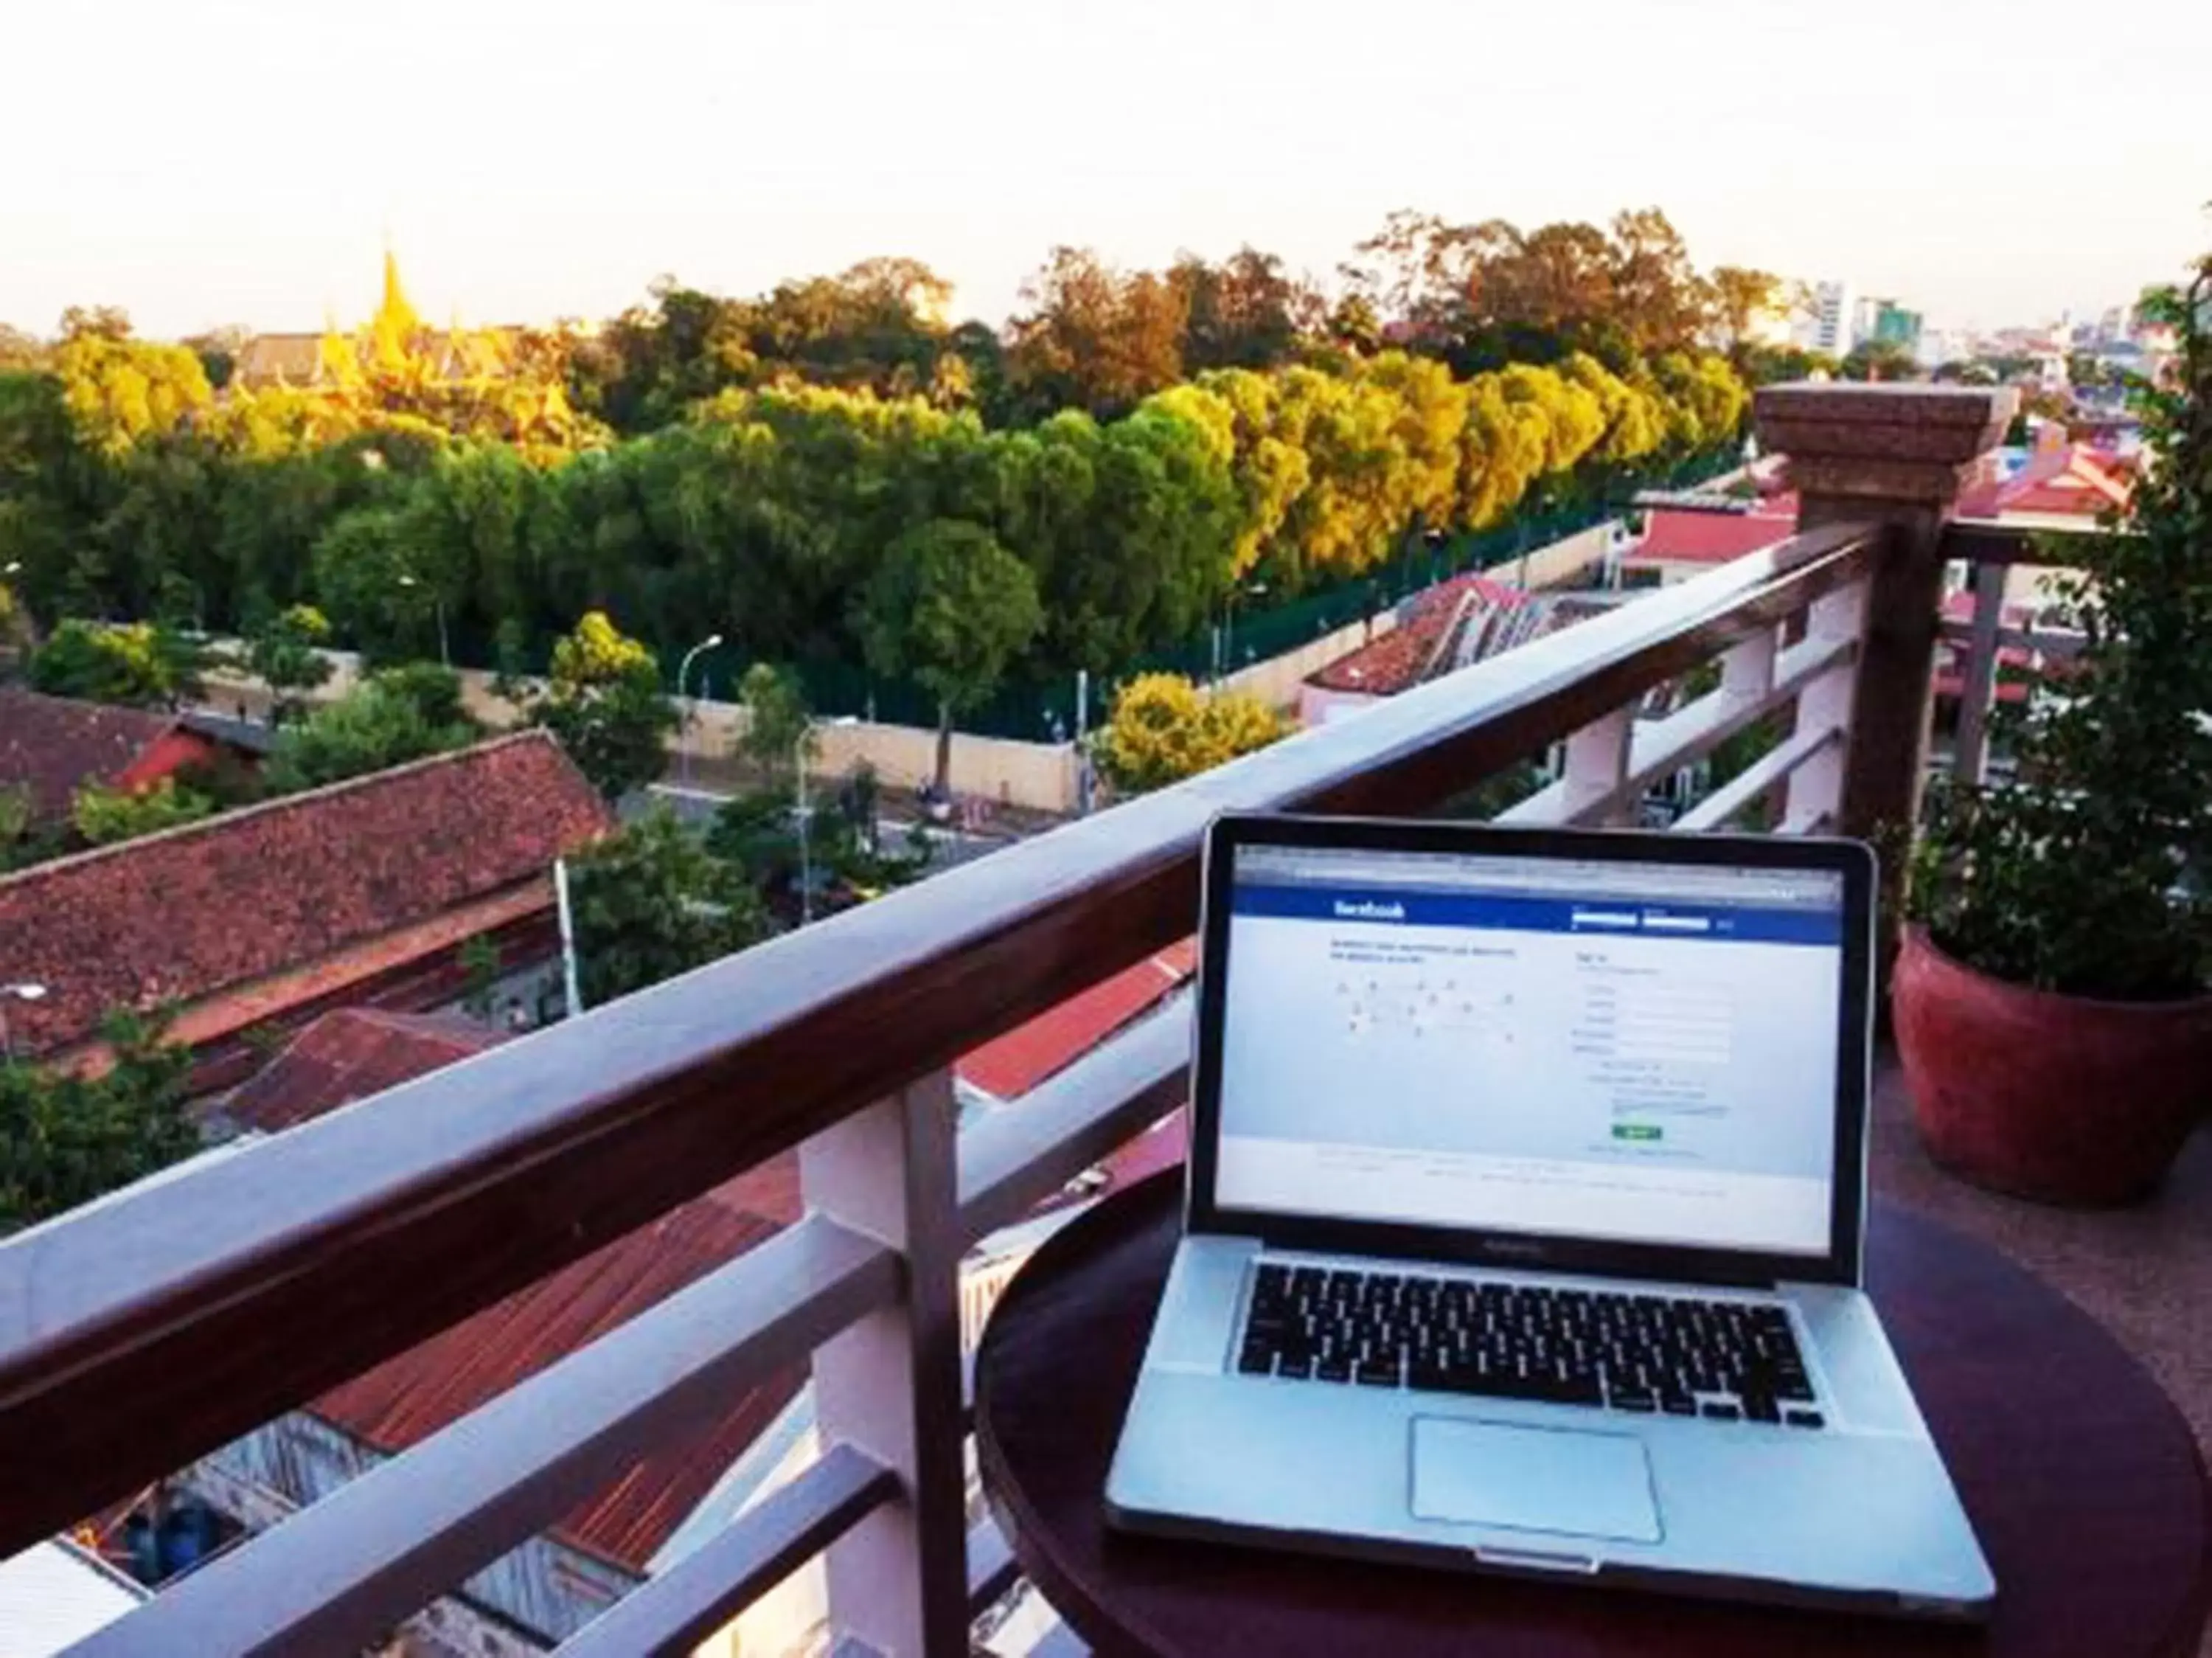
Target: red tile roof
{"x": 1393, "y": 662}
{"x": 1012, "y": 1064}
{"x": 212, "y": 907}
{"x": 2074, "y": 481}
{"x": 55, "y": 746}
{"x": 1685, "y": 536}
{"x": 347, "y": 1055}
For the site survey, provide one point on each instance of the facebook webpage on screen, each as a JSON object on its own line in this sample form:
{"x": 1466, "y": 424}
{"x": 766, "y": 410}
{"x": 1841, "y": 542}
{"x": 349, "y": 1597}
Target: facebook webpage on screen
{"x": 1616, "y": 1051}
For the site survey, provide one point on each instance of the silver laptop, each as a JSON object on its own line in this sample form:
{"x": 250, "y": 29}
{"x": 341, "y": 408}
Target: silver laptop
{"x": 1523, "y": 1230}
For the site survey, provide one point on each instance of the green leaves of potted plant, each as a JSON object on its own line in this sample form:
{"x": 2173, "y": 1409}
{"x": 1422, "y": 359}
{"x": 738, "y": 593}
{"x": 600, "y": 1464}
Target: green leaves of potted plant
{"x": 2050, "y": 1002}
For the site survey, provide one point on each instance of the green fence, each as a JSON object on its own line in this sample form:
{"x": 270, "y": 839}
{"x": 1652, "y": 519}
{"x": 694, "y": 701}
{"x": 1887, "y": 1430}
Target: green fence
{"x": 1045, "y": 712}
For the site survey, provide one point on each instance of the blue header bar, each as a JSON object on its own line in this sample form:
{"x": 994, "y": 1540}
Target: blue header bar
{"x": 1502, "y": 913}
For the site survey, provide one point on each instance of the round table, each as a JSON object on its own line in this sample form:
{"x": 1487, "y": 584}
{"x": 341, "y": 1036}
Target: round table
{"x": 2081, "y": 1478}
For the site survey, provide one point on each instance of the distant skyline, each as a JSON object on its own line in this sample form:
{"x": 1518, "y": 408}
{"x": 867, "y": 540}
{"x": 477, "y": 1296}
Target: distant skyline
{"x": 245, "y": 162}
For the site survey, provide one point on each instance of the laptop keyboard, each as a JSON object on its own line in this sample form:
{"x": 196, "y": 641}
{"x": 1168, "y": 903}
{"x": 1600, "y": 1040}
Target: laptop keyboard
{"x": 1641, "y": 1353}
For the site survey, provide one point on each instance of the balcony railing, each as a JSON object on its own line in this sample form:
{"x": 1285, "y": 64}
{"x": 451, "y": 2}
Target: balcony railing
{"x": 152, "y": 1328}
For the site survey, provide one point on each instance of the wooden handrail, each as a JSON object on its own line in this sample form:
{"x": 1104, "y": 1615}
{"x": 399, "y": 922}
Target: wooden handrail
{"x": 142, "y": 1331}
{"x": 1991, "y": 541}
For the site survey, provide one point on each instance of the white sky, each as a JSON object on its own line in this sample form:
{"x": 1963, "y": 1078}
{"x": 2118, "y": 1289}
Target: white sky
{"x": 1993, "y": 160}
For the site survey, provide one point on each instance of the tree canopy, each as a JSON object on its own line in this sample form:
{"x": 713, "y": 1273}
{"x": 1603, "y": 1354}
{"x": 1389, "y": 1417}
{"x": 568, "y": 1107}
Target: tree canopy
{"x": 67, "y": 1137}
{"x": 606, "y": 706}
{"x": 1164, "y": 729}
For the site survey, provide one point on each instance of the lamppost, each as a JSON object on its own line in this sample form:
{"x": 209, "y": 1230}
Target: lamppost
{"x": 691, "y": 710}
{"x": 21, "y": 993}
{"x": 805, "y": 854}
{"x": 445, "y": 656}
{"x": 1228, "y": 663}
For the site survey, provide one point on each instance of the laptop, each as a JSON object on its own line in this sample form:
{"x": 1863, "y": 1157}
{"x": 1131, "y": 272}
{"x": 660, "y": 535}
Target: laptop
{"x": 1524, "y": 1225}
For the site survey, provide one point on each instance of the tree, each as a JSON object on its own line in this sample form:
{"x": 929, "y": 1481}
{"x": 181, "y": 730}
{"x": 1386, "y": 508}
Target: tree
{"x": 1741, "y": 297}
{"x": 138, "y": 664}
{"x": 776, "y": 717}
{"x": 67, "y": 1137}
{"x": 1879, "y": 360}
{"x": 1242, "y": 314}
{"x": 949, "y": 608}
{"x": 103, "y": 816}
{"x": 604, "y": 705}
{"x": 398, "y": 715}
{"x": 121, "y": 391}
{"x": 1164, "y": 729}
{"x": 1094, "y": 338}
{"x": 285, "y": 653}
{"x": 650, "y": 902}
{"x": 478, "y": 959}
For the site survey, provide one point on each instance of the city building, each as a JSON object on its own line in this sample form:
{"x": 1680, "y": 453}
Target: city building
{"x": 255, "y": 920}
{"x": 1895, "y": 325}
{"x": 1828, "y": 327}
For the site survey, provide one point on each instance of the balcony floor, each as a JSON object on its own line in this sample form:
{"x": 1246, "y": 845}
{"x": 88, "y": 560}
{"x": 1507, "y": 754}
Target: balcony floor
{"x": 2145, "y": 1273}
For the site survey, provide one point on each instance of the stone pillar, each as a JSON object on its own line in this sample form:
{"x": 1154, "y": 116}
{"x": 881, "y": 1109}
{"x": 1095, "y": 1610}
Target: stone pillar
{"x": 1896, "y": 456}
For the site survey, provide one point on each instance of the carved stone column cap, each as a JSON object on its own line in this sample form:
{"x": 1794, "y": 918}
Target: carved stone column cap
{"x": 1911, "y": 445}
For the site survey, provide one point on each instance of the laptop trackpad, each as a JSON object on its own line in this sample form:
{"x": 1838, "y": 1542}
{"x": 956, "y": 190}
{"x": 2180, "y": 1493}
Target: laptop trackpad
{"x": 1534, "y": 1479}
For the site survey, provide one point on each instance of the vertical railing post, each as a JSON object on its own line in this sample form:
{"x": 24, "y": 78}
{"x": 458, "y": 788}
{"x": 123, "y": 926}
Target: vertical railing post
{"x": 1597, "y": 767}
{"x": 1896, "y": 456}
{"x": 1978, "y": 676}
{"x": 890, "y": 1385}
{"x": 1813, "y": 802}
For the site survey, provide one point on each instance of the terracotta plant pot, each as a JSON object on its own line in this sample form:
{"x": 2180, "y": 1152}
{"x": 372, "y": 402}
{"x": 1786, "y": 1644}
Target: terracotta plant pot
{"x": 2057, "y": 1098}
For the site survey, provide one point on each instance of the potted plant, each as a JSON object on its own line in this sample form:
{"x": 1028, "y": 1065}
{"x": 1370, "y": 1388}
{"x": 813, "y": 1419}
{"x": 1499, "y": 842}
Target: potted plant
{"x": 2051, "y": 1000}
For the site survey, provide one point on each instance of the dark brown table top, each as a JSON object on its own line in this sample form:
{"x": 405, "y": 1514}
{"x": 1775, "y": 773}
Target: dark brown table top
{"x": 2082, "y": 1480}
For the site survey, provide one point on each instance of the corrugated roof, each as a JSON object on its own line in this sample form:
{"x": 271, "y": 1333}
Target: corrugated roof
{"x": 55, "y": 746}
{"x": 53, "y": 1595}
{"x": 189, "y": 912}
{"x": 350, "y": 1055}
{"x": 406, "y": 1399}
{"x": 1011, "y": 1065}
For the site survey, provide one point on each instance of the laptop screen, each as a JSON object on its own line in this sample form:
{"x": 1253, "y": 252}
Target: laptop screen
{"x": 1631, "y": 1052}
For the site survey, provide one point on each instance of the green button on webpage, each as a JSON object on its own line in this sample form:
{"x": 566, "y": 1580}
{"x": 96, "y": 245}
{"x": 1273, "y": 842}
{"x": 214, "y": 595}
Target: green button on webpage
{"x": 1637, "y": 1131}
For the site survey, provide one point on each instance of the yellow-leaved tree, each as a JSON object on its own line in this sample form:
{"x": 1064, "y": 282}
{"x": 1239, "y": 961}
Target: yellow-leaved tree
{"x": 1163, "y": 728}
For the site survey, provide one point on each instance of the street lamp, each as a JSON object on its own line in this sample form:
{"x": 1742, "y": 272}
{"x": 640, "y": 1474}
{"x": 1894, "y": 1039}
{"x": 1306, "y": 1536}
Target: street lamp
{"x": 445, "y": 656}
{"x": 1228, "y": 663}
{"x": 805, "y": 854}
{"x": 21, "y": 993}
{"x": 690, "y": 710}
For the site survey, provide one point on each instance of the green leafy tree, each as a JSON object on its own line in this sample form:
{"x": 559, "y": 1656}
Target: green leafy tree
{"x": 398, "y": 715}
{"x": 479, "y": 962}
{"x": 776, "y": 717}
{"x": 950, "y": 609}
{"x": 286, "y": 653}
{"x": 1879, "y": 359}
{"x": 604, "y": 705}
{"x": 103, "y": 816}
{"x": 650, "y": 902}
{"x": 1164, "y": 729}
{"x": 67, "y": 1137}
{"x": 138, "y": 663}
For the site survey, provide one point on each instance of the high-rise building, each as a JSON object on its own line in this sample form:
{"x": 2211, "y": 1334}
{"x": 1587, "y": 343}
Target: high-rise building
{"x": 1895, "y": 325}
{"x": 1828, "y": 327}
